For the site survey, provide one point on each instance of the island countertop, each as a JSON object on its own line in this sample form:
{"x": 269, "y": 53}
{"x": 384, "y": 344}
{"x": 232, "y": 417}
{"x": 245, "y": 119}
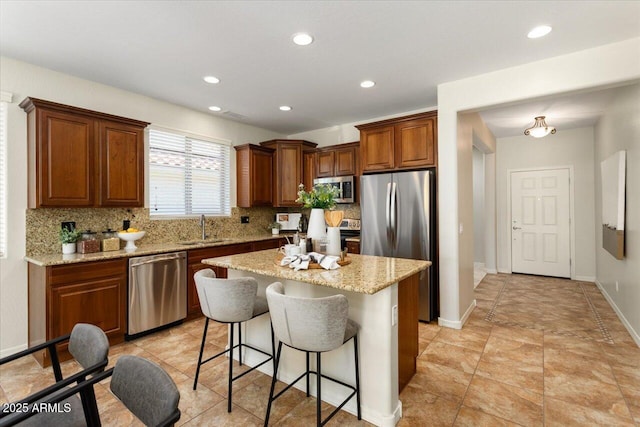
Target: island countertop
{"x": 366, "y": 274}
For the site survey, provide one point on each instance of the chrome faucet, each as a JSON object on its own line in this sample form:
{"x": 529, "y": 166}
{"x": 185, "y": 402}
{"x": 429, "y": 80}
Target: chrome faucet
{"x": 202, "y": 224}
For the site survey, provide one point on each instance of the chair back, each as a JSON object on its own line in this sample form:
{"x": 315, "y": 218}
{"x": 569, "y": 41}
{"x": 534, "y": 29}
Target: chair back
{"x": 308, "y": 324}
{"x": 88, "y": 344}
{"x": 146, "y": 390}
{"x": 226, "y": 300}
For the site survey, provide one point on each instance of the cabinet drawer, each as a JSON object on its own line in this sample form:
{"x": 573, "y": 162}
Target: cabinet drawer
{"x": 72, "y": 273}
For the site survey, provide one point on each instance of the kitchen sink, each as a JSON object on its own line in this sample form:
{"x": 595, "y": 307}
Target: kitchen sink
{"x": 201, "y": 242}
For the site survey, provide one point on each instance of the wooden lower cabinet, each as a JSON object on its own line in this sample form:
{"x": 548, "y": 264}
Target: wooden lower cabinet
{"x": 407, "y": 329}
{"x": 194, "y": 264}
{"x": 62, "y": 295}
{"x": 353, "y": 247}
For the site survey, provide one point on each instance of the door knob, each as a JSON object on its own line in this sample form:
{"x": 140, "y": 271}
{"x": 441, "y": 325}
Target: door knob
{"x": 516, "y": 228}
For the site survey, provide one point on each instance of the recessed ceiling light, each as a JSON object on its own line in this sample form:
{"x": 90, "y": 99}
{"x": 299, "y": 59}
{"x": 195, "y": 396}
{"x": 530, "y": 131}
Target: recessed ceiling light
{"x": 211, "y": 79}
{"x": 285, "y": 108}
{"x": 215, "y": 108}
{"x": 302, "y": 39}
{"x": 538, "y": 32}
{"x": 367, "y": 83}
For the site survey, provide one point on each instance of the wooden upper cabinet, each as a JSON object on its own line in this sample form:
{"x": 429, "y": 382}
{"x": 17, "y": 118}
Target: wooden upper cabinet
{"x": 338, "y": 160}
{"x": 83, "y": 158}
{"x": 121, "y": 164}
{"x": 309, "y": 168}
{"x": 377, "y": 149}
{"x": 64, "y": 167}
{"x": 415, "y": 143}
{"x": 401, "y": 143}
{"x": 346, "y": 162}
{"x": 326, "y": 163}
{"x": 254, "y": 170}
{"x": 288, "y": 160}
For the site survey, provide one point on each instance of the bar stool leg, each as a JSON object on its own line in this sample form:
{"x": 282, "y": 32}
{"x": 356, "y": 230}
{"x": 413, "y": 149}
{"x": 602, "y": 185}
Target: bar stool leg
{"x": 307, "y": 373}
{"x": 230, "y": 368}
{"x": 318, "y": 394}
{"x": 355, "y": 351}
{"x": 204, "y": 337}
{"x": 273, "y": 383}
{"x": 240, "y": 343}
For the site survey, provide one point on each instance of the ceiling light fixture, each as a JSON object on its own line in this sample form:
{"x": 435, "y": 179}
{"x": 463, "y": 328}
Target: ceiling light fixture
{"x": 215, "y": 108}
{"x": 285, "y": 108}
{"x": 540, "y": 128}
{"x": 539, "y": 31}
{"x": 367, "y": 84}
{"x": 211, "y": 79}
{"x": 302, "y": 39}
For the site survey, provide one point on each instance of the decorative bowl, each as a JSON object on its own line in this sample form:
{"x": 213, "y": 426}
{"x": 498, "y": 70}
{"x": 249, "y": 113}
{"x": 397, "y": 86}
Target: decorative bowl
{"x": 130, "y": 238}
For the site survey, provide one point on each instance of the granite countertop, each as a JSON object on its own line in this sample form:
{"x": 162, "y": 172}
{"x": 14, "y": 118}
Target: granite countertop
{"x": 59, "y": 258}
{"x": 366, "y": 274}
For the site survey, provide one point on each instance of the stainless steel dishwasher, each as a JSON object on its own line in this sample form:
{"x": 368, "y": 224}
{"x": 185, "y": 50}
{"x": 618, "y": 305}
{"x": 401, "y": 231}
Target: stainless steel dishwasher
{"x": 157, "y": 291}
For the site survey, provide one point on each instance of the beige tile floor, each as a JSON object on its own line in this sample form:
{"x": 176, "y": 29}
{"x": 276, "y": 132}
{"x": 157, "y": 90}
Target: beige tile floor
{"x": 535, "y": 351}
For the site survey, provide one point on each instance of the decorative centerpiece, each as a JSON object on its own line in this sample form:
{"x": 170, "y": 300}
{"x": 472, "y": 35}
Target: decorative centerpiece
{"x": 321, "y": 197}
{"x": 68, "y": 238}
{"x": 130, "y": 235}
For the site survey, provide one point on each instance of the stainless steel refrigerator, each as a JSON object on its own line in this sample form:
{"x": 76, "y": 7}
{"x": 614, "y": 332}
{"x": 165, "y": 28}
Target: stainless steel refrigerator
{"x": 398, "y": 213}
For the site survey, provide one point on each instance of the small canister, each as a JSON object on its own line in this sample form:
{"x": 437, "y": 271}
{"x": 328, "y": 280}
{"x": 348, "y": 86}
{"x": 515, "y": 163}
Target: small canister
{"x": 88, "y": 243}
{"x": 303, "y": 246}
{"x": 110, "y": 241}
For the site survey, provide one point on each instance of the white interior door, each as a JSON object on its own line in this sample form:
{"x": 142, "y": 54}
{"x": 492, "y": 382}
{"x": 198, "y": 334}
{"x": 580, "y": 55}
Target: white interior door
{"x": 540, "y": 223}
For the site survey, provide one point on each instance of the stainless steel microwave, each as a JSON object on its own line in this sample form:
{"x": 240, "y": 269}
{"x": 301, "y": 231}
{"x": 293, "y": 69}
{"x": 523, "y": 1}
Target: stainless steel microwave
{"x": 345, "y": 185}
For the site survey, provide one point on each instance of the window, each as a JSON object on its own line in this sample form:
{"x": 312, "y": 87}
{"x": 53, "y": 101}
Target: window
{"x": 5, "y": 98}
{"x": 188, "y": 176}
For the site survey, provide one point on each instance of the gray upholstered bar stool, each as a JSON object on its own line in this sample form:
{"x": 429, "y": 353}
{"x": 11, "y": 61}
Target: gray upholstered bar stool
{"x": 312, "y": 325}
{"x": 231, "y": 301}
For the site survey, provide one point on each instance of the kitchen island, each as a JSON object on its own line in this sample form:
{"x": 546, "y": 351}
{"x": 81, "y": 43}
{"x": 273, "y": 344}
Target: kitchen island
{"x": 383, "y": 300}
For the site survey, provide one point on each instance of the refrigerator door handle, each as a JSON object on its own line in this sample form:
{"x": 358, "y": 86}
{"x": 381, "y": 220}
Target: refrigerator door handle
{"x": 394, "y": 215}
{"x": 388, "y": 215}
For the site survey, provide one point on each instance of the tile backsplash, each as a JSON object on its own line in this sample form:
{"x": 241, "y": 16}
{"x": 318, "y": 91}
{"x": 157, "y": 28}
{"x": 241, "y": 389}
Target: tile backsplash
{"x": 42, "y": 224}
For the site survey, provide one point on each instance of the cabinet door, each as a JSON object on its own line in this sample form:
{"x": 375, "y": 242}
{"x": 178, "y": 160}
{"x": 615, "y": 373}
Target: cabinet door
{"x": 309, "y": 170}
{"x": 193, "y": 302}
{"x": 345, "y": 161}
{"x": 415, "y": 144}
{"x": 353, "y": 247}
{"x": 121, "y": 165}
{"x": 100, "y": 302}
{"x": 326, "y": 163}
{"x": 261, "y": 178}
{"x": 289, "y": 174}
{"x": 65, "y": 160}
{"x": 376, "y": 148}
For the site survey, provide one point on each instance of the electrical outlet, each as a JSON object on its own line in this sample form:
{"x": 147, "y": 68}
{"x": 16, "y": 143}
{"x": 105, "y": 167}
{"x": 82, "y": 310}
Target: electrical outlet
{"x": 394, "y": 315}
{"x": 616, "y": 286}
{"x": 244, "y": 220}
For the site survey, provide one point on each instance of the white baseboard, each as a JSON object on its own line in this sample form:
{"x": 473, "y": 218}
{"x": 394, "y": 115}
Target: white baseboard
{"x": 625, "y": 322}
{"x": 585, "y": 278}
{"x": 9, "y": 351}
{"x": 491, "y": 271}
{"x": 457, "y": 324}
{"x": 502, "y": 270}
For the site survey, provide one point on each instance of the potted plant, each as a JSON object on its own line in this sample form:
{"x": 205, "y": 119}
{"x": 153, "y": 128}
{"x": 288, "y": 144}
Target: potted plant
{"x": 321, "y": 197}
{"x": 68, "y": 238}
{"x": 275, "y": 227}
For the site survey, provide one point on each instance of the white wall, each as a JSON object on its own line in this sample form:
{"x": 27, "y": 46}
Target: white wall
{"x": 573, "y": 147}
{"x": 619, "y": 129}
{"x": 598, "y": 67}
{"x": 478, "y": 206}
{"x": 347, "y": 132}
{"x": 24, "y": 80}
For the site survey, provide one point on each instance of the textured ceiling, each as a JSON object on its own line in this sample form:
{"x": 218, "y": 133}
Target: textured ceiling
{"x": 162, "y": 49}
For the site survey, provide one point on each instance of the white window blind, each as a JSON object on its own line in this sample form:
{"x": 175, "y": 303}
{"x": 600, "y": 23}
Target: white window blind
{"x": 3, "y": 176}
{"x": 188, "y": 176}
